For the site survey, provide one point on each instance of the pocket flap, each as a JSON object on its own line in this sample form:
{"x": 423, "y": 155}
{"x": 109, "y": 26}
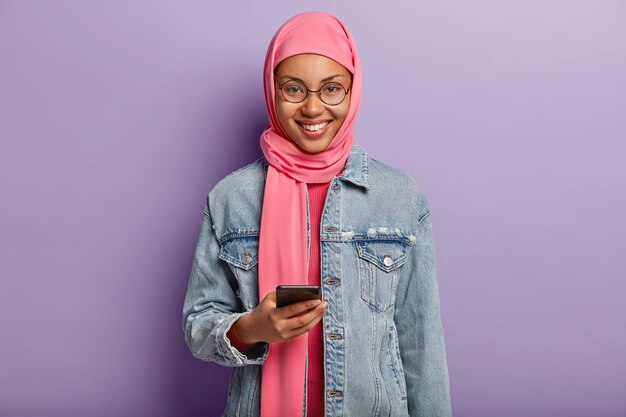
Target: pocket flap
{"x": 385, "y": 254}
{"x": 241, "y": 251}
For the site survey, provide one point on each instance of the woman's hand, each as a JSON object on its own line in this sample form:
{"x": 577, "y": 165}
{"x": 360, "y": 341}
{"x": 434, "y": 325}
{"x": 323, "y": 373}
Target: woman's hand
{"x": 267, "y": 323}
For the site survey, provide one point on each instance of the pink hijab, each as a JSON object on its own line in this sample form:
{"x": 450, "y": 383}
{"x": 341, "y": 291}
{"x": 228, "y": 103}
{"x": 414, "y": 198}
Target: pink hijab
{"x": 283, "y": 235}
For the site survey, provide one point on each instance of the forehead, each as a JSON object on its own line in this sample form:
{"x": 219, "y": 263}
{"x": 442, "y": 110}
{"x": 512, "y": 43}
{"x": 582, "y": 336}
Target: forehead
{"x": 310, "y": 66}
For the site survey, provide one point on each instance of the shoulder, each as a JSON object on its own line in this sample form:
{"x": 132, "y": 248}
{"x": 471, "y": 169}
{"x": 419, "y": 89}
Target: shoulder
{"x": 248, "y": 178}
{"x": 388, "y": 179}
{"x": 237, "y": 199}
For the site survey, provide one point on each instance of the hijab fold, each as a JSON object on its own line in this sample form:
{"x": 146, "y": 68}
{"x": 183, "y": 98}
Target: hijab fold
{"x": 283, "y": 234}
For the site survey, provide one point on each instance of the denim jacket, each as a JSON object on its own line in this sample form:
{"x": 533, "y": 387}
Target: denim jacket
{"x": 384, "y": 351}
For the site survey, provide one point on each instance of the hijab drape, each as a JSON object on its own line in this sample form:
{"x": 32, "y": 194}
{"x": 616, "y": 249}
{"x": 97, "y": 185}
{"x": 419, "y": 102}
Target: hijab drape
{"x": 283, "y": 234}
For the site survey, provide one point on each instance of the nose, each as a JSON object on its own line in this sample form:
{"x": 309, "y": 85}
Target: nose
{"x": 312, "y": 105}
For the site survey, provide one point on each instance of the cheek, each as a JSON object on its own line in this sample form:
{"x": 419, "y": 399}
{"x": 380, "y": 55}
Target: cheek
{"x": 282, "y": 113}
{"x": 342, "y": 113}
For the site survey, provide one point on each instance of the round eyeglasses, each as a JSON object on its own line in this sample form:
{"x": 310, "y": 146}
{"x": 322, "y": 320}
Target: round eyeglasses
{"x": 331, "y": 93}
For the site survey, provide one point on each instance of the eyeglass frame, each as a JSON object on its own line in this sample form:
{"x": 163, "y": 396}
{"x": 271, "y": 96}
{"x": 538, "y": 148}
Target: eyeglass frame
{"x": 280, "y": 87}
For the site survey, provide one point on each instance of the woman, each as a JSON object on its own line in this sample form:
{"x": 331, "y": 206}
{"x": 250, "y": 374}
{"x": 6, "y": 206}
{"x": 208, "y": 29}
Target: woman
{"x": 318, "y": 210}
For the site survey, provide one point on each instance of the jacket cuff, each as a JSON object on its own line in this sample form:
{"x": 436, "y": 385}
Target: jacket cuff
{"x": 254, "y": 354}
{"x": 236, "y": 342}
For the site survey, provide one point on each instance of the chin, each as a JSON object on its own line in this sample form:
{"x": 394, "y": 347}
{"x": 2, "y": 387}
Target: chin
{"x": 312, "y": 146}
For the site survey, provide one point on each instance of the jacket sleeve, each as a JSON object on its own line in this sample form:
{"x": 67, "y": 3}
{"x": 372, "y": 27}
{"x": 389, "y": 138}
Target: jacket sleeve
{"x": 420, "y": 333}
{"x": 212, "y": 306}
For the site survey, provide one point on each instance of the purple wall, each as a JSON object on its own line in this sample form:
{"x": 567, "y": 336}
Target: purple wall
{"x": 117, "y": 117}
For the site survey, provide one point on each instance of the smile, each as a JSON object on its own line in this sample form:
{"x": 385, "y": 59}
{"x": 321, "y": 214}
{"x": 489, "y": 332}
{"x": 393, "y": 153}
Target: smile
{"x": 314, "y": 128}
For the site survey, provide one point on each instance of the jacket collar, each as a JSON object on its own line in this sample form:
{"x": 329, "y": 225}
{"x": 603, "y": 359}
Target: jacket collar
{"x": 357, "y": 169}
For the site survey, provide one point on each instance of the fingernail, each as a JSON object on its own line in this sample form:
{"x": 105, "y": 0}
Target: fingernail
{"x": 325, "y": 305}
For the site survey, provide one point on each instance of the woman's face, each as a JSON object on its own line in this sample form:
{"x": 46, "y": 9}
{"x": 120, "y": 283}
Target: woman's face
{"x": 322, "y": 121}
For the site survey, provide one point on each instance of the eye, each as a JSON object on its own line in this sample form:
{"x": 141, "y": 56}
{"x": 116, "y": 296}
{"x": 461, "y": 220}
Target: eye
{"x": 332, "y": 89}
{"x": 293, "y": 89}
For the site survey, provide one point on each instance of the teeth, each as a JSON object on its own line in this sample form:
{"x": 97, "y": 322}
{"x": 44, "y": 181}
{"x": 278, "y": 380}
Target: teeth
{"x": 315, "y": 128}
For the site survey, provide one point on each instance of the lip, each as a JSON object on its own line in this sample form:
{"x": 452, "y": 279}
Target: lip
{"x": 314, "y": 122}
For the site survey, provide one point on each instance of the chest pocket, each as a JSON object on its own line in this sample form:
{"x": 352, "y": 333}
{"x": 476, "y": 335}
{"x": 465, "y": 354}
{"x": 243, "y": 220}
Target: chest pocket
{"x": 379, "y": 261}
{"x": 241, "y": 253}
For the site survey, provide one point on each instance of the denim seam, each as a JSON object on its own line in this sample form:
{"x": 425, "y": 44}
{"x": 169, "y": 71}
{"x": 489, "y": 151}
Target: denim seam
{"x": 382, "y": 344}
{"x": 355, "y": 238}
{"x": 240, "y": 394}
{"x": 366, "y": 256}
{"x": 252, "y": 389}
{"x": 397, "y": 362}
{"x": 377, "y": 382}
{"x": 236, "y": 262}
{"x": 241, "y": 233}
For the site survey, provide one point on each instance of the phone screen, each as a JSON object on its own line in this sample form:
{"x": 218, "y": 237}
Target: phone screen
{"x": 289, "y": 294}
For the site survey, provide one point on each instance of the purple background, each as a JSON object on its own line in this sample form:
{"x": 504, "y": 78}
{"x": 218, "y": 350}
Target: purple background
{"x": 117, "y": 117}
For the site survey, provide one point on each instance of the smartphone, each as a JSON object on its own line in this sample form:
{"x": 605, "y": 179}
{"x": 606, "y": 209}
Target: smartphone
{"x": 289, "y": 294}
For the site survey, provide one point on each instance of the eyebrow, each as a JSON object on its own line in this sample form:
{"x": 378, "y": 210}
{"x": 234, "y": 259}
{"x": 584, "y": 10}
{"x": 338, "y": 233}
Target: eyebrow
{"x": 323, "y": 81}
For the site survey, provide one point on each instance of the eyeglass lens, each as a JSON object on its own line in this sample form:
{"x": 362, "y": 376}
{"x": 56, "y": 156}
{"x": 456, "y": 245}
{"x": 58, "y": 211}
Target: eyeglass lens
{"x": 330, "y": 93}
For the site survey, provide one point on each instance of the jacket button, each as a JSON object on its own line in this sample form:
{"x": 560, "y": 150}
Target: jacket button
{"x": 335, "y": 186}
{"x": 247, "y": 259}
{"x": 335, "y": 393}
{"x": 387, "y": 260}
{"x": 331, "y": 229}
{"x": 335, "y": 336}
